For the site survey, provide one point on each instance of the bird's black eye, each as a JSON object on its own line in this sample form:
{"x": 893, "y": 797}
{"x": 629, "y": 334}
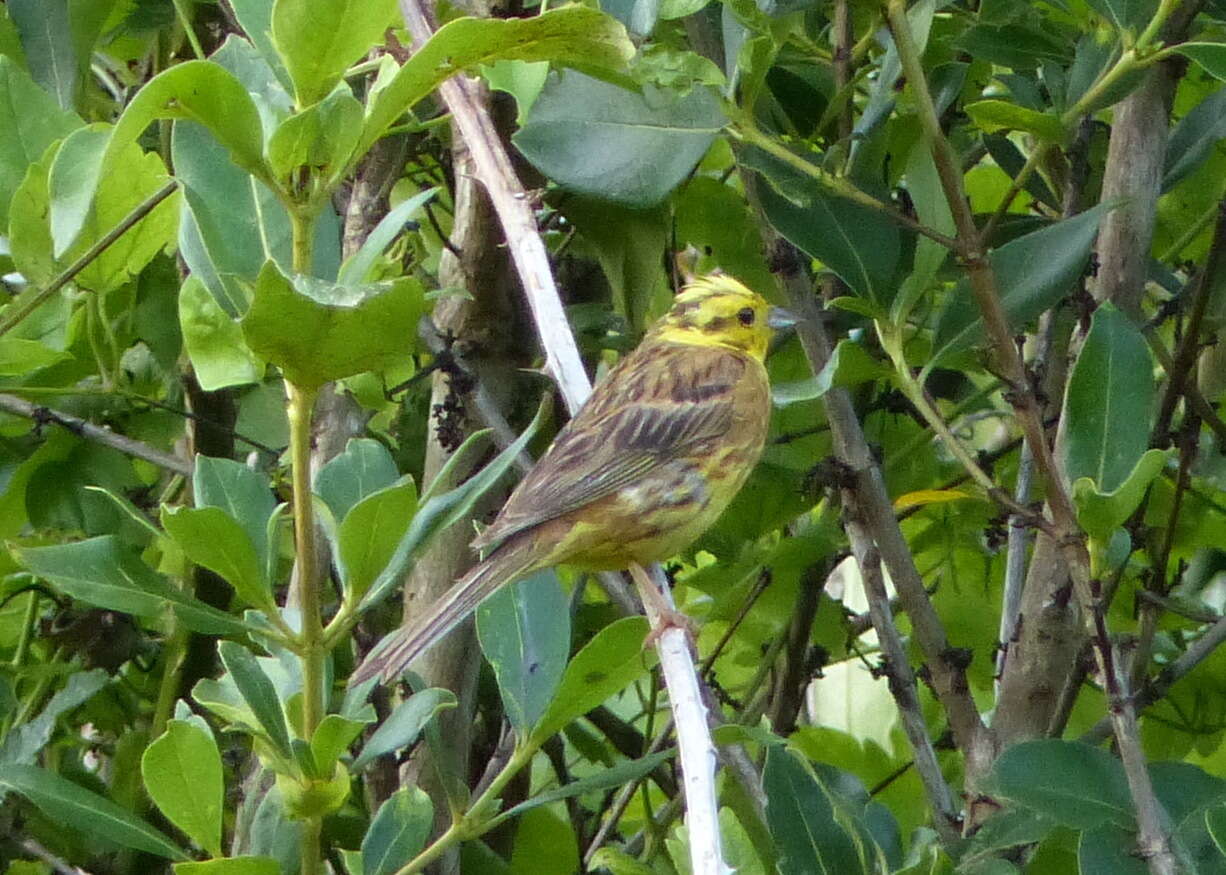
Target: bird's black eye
{"x": 746, "y": 316}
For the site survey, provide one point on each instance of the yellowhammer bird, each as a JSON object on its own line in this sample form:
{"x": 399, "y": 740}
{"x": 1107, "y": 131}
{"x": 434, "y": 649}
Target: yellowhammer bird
{"x": 649, "y": 462}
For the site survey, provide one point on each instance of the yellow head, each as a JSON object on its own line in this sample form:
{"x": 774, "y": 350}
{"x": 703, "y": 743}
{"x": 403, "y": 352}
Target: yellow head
{"x": 716, "y": 310}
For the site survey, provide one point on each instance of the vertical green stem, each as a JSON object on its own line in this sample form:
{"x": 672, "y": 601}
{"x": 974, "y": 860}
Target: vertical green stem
{"x": 300, "y": 405}
{"x": 27, "y": 629}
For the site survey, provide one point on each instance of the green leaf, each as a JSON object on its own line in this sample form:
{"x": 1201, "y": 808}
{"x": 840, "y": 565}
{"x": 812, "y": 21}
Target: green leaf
{"x": 859, "y": 244}
{"x": 572, "y": 36}
{"x": 19, "y": 356}
{"x": 102, "y": 572}
{"x": 1194, "y": 138}
{"x": 369, "y": 534}
{"x": 46, "y": 36}
{"x": 214, "y": 342}
{"x": 618, "y": 775}
{"x": 76, "y": 808}
{"x": 1033, "y": 272}
{"x": 230, "y": 865}
{"x": 322, "y": 137}
{"x": 255, "y": 18}
{"x": 1079, "y": 786}
{"x": 398, "y": 832}
{"x": 318, "y": 40}
{"x": 136, "y": 177}
{"x": 1126, "y": 15}
{"x": 332, "y": 738}
{"x": 357, "y": 267}
{"x": 1215, "y": 821}
{"x": 403, "y": 725}
{"x": 801, "y": 820}
{"x": 200, "y": 91}
{"x": 363, "y": 468}
{"x": 1109, "y": 850}
{"x": 182, "y": 772}
{"x": 545, "y": 844}
{"x": 258, "y": 692}
{"x": 849, "y": 365}
{"x": 1211, "y": 56}
{"x": 606, "y": 141}
{"x": 24, "y": 741}
{"x": 1101, "y": 512}
{"x": 437, "y": 512}
{"x": 524, "y": 630}
{"x": 30, "y": 121}
{"x": 338, "y": 331}
{"x": 210, "y": 537}
{"x": 242, "y": 493}
{"x": 1109, "y": 403}
{"x": 1018, "y": 46}
{"x": 605, "y": 666}
{"x": 1001, "y": 115}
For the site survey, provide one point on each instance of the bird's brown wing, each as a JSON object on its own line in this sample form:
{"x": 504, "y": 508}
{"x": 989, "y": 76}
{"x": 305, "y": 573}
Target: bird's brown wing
{"x": 637, "y": 419}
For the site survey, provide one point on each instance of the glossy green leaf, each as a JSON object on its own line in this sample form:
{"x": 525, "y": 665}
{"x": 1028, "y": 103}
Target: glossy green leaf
{"x": 1079, "y": 786}
{"x": 849, "y": 365}
{"x": 1109, "y": 403}
{"x": 339, "y": 330}
{"x": 1032, "y": 272}
{"x": 212, "y": 538}
{"x": 242, "y": 493}
{"x": 860, "y": 245}
{"x": 370, "y": 532}
{"x": 1002, "y": 115}
{"x": 801, "y": 820}
{"x": 363, "y": 468}
{"x": 1211, "y": 56}
{"x": 182, "y": 772}
{"x": 398, "y": 831}
{"x": 605, "y": 666}
{"x": 524, "y": 630}
{"x": 30, "y": 121}
{"x": 200, "y": 91}
{"x": 230, "y": 866}
{"x": 319, "y": 39}
{"x": 46, "y": 35}
{"x": 214, "y": 341}
{"x": 572, "y": 36}
{"x": 332, "y": 738}
{"x": 257, "y": 691}
{"x": 1101, "y": 512}
{"x": 594, "y": 137}
{"x": 76, "y": 808}
{"x": 321, "y": 137}
{"x": 357, "y": 267}
{"x": 103, "y": 572}
{"x": 437, "y": 512}
{"x": 404, "y": 724}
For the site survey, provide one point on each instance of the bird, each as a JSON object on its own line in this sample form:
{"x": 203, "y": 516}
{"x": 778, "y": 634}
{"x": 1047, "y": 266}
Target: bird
{"x": 647, "y": 464}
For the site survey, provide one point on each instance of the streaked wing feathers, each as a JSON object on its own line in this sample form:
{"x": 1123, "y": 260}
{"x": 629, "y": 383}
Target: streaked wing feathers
{"x": 637, "y": 419}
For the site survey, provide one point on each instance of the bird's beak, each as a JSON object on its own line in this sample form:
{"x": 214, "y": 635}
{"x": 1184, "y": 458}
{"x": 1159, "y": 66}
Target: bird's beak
{"x": 779, "y": 319}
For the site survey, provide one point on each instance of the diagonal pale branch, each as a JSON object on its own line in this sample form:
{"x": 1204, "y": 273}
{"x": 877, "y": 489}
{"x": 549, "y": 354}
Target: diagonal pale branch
{"x": 514, "y": 208}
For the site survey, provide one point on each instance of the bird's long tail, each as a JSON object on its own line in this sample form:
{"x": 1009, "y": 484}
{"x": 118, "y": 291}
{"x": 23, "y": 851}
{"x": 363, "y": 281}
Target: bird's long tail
{"x": 393, "y": 654}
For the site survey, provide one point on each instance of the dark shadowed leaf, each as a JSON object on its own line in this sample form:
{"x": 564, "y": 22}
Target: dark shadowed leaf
{"x": 801, "y": 820}
{"x": 257, "y": 691}
{"x": 1076, "y": 785}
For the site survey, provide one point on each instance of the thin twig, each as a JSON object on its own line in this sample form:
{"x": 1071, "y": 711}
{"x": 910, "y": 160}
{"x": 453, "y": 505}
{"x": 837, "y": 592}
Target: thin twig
{"x": 86, "y": 429}
{"x": 65, "y": 276}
